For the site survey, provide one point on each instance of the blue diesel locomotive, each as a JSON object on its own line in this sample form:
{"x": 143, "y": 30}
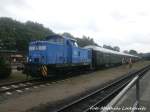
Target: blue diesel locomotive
{"x": 54, "y": 55}
{"x": 58, "y": 54}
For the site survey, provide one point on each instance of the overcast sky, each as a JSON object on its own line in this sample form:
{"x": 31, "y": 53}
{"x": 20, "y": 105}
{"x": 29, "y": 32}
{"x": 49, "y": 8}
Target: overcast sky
{"x": 123, "y": 23}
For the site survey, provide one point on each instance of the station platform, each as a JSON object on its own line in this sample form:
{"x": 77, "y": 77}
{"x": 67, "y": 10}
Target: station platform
{"x": 127, "y": 101}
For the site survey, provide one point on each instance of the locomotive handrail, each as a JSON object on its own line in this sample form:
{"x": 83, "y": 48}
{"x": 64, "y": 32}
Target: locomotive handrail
{"x": 114, "y": 101}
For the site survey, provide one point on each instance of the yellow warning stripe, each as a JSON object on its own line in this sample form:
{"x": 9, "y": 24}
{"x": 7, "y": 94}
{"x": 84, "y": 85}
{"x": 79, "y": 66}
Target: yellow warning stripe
{"x": 44, "y": 70}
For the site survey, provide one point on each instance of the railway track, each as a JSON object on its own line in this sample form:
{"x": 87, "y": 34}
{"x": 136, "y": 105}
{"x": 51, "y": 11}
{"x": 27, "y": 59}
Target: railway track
{"x": 20, "y": 85}
{"x": 17, "y": 82}
{"x": 99, "y": 98}
{"x": 9, "y": 88}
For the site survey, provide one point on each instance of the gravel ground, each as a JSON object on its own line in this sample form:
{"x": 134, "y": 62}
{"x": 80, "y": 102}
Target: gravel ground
{"x": 62, "y": 90}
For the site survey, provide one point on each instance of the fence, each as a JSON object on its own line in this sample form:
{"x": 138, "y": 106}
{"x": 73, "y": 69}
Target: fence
{"x": 134, "y": 82}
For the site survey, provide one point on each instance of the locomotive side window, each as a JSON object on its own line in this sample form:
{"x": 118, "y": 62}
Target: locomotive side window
{"x": 74, "y": 43}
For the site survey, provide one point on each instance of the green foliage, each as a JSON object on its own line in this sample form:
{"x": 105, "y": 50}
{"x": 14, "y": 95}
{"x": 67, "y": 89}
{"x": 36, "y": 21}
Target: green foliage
{"x": 133, "y": 52}
{"x": 5, "y": 70}
{"x": 107, "y": 47}
{"x": 15, "y": 35}
{"x": 146, "y": 56}
{"x": 115, "y": 48}
{"x": 84, "y": 41}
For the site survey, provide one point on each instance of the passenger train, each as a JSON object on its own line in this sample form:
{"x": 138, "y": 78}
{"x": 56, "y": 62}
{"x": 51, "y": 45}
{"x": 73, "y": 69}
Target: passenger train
{"x": 58, "y": 54}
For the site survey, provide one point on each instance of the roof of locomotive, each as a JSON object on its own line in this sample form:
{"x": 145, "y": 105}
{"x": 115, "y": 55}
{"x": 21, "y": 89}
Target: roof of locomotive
{"x": 50, "y": 37}
{"x": 107, "y": 50}
{"x": 59, "y": 36}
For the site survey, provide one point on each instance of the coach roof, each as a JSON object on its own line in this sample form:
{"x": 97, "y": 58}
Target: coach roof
{"x": 97, "y": 48}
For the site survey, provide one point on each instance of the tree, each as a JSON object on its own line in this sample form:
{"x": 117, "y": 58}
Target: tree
{"x": 146, "y": 56}
{"x": 116, "y": 48}
{"x": 134, "y": 52}
{"x": 15, "y": 35}
{"x": 108, "y": 47}
{"x": 126, "y": 51}
{"x": 68, "y": 35}
{"x": 84, "y": 41}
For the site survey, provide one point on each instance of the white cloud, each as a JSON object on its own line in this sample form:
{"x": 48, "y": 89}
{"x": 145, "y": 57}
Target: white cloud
{"x": 125, "y": 23}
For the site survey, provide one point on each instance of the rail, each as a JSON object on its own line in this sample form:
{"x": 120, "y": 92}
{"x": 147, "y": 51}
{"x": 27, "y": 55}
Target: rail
{"x": 134, "y": 82}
